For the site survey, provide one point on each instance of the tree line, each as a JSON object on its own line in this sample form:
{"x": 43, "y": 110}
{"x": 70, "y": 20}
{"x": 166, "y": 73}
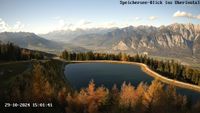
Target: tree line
{"x": 144, "y": 98}
{"x": 11, "y": 52}
{"x": 168, "y": 68}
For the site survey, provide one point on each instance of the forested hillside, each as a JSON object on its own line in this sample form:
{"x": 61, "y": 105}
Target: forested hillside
{"x": 168, "y": 68}
{"x": 42, "y": 82}
{"x": 11, "y": 52}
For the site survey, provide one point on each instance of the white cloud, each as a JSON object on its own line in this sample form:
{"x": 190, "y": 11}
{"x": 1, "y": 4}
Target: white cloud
{"x": 18, "y": 26}
{"x": 58, "y": 24}
{"x": 153, "y": 18}
{"x": 137, "y": 18}
{"x": 66, "y": 24}
{"x": 3, "y": 26}
{"x": 108, "y": 24}
{"x": 61, "y": 22}
{"x": 182, "y": 14}
{"x": 83, "y": 24}
{"x": 185, "y": 14}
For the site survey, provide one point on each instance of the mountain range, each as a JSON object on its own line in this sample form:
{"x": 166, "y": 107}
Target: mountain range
{"x": 35, "y": 42}
{"x": 67, "y": 35}
{"x": 175, "y": 40}
{"x": 172, "y": 40}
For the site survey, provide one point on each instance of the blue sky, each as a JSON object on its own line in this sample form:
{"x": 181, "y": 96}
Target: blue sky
{"x": 42, "y": 16}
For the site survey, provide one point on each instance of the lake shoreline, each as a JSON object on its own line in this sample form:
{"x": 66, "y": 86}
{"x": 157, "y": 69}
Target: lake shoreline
{"x": 150, "y": 72}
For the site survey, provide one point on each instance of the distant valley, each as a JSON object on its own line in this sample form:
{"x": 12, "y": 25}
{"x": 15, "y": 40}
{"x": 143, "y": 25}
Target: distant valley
{"x": 35, "y": 42}
{"x": 180, "y": 41}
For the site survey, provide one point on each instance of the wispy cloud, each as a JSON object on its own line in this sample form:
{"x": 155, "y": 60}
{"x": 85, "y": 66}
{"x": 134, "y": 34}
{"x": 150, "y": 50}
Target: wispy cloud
{"x": 56, "y": 17}
{"x": 185, "y": 15}
{"x": 64, "y": 24}
{"x": 18, "y": 26}
{"x": 153, "y": 18}
{"x": 84, "y": 22}
{"x": 137, "y": 18}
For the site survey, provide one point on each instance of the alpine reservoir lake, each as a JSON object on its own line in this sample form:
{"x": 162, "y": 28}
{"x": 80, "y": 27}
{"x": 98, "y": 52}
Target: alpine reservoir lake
{"x": 107, "y": 74}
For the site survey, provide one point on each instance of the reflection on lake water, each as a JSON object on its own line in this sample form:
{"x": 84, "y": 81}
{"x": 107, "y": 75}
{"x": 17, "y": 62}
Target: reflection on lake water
{"x": 108, "y": 74}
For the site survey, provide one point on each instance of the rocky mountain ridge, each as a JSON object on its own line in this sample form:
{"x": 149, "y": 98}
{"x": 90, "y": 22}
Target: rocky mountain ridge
{"x": 174, "y": 39}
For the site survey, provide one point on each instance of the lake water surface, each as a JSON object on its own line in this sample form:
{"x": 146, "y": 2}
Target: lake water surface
{"x": 108, "y": 74}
